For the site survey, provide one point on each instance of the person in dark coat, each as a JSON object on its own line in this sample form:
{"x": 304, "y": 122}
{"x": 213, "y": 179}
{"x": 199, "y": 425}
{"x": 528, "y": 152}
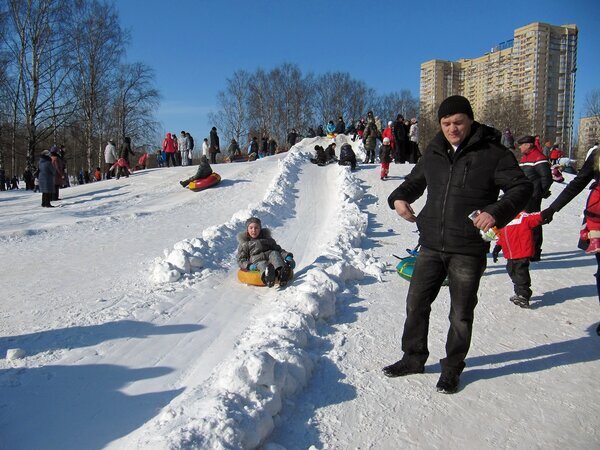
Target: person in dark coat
{"x": 272, "y": 146}
{"x": 537, "y": 168}
{"x": 340, "y": 126}
{"x": 401, "y": 140}
{"x": 213, "y": 148}
{"x": 320, "y": 157}
{"x": 291, "y": 138}
{"x": 124, "y": 154}
{"x": 264, "y": 147}
{"x": 233, "y": 151}
{"x": 311, "y": 133}
{"x": 46, "y": 178}
{"x": 320, "y": 131}
{"x": 59, "y": 174}
{"x": 463, "y": 170}
{"x": 370, "y": 136}
{"x": 590, "y": 172}
{"x": 2, "y": 180}
{"x": 204, "y": 170}
{"x": 347, "y": 156}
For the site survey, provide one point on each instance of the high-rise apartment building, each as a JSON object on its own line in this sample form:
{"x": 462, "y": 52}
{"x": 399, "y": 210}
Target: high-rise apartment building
{"x": 538, "y": 65}
{"x": 589, "y": 134}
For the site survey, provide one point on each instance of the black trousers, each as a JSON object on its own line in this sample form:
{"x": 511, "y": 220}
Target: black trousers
{"x": 46, "y": 198}
{"x": 518, "y": 270}
{"x": 170, "y": 157}
{"x": 431, "y": 268}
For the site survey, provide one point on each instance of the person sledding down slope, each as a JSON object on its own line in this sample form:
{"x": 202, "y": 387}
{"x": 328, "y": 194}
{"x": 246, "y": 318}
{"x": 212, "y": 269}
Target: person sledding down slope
{"x": 257, "y": 250}
{"x": 321, "y": 156}
{"x": 204, "y": 170}
{"x": 347, "y": 156}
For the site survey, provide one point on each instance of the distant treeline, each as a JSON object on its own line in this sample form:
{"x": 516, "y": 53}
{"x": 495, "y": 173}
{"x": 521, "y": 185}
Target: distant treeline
{"x": 271, "y": 103}
{"x": 63, "y": 80}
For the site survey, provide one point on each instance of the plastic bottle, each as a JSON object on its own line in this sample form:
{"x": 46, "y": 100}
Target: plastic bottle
{"x": 489, "y": 235}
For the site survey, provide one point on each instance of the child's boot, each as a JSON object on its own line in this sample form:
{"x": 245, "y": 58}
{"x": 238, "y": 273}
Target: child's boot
{"x": 519, "y": 300}
{"x": 285, "y": 273}
{"x": 594, "y": 247}
{"x": 268, "y": 276}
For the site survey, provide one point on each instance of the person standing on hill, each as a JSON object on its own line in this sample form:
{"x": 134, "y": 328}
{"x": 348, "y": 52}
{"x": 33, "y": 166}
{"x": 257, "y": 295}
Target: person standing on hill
{"x": 213, "y": 148}
{"x": 168, "y": 147}
{"x": 400, "y": 139}
{"x": 110, "y": 157}
{"x": 537, "y": 168}
{"x": 291, "y": 138}
{"x": 46, "y": 174}
{"x": 463, "y": 170}
{"x": 124, "y": 154}
{"x": 370, "y": 136}
{"x": 589, "y": 234}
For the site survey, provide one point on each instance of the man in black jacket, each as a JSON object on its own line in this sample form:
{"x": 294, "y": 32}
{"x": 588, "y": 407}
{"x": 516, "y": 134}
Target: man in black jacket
{"x": 463, "y": 170}
{"x": 536, "y": 167}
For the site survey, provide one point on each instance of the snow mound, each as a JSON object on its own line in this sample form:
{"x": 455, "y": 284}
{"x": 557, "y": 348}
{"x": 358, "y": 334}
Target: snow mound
{"x": 274, "y": 358}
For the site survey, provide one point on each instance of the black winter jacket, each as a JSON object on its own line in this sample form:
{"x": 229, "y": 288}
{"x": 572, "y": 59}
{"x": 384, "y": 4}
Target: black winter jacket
{"x": 589, "y": 171}
{"x": 457, "y": 186}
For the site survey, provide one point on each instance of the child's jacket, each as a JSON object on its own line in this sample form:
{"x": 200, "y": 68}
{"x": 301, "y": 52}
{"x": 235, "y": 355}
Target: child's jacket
{"x": 251, "y": 251}
{"x": 516, "y": 238}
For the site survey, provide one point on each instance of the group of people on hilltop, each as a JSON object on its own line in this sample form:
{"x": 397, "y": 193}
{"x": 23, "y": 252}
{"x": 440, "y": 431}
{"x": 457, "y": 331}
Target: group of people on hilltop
{"x": 8, "y": 183}
{"x": 176, "y": 149}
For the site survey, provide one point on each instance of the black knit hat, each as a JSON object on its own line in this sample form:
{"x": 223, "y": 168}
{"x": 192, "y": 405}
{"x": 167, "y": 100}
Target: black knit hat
{"x": 455, "y": 104}
{"x": 526, "y": 140}
{"x": 255, "y": 220}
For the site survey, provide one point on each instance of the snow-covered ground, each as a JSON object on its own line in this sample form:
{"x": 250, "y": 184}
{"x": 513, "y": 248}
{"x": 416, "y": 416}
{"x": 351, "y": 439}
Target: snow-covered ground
{"x": 135, "y": 332}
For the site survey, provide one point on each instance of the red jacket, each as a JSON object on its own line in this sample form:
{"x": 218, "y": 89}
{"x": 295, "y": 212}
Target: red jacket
{"x": 556, "y": 153}
{"x": 169, "y": 144}
{"x": 516, "y": 238}
{"x": 388, "y": 133}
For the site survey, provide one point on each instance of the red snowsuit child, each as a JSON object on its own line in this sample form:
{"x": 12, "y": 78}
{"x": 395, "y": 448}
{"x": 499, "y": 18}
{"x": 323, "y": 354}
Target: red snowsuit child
{"x": 517, "y": 244}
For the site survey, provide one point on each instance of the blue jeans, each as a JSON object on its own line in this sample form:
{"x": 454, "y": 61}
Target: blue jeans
{"x": 431, "y": 268}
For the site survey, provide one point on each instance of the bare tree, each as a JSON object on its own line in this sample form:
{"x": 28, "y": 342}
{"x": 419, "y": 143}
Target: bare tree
{"x": 403, "y": 102}
{"x": 592, "y": 105}
{"x": 98, "y": 41}
{"x": 42, "y": 52}
{"x": 136, "y": 101}
{"x": 507, "y": 112}
{"x": 232, "y": 118}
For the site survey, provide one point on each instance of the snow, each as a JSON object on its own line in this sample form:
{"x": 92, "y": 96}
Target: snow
{"x": 123, "y": 325}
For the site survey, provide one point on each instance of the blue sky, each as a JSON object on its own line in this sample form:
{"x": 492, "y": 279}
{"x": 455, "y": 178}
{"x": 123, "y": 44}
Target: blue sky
{"x": 193, "y": 46}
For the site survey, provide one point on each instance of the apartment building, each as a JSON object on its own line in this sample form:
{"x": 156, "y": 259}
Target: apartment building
{"x": 589, "y": 134}
{"x": 537, "y": 65}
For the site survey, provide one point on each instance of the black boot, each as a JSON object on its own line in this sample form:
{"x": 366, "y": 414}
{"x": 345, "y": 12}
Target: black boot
{"x": 448, "y": 383}
{"x": 268, "y": 276}
{"x": 285, "y": 274}
{"x": 402, "y": 368}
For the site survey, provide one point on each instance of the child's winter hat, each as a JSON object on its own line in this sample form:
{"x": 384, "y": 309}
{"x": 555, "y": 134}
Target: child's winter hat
{"x": 255, "y": 220}
{"x": 386, "y": 141}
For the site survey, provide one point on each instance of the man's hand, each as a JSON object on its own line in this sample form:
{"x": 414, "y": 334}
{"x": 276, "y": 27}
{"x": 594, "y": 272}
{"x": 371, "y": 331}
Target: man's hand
{"x": 404, "y": 210}
{"x": 484, "y": 221}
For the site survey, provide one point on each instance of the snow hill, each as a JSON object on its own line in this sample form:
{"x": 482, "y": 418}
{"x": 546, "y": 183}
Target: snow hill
{"x": 123, "y": 325}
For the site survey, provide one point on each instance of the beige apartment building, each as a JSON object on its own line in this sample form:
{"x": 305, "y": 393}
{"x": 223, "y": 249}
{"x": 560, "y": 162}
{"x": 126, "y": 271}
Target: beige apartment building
{"x": 537, "y": 65}
{"x": 589, "y": 134}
